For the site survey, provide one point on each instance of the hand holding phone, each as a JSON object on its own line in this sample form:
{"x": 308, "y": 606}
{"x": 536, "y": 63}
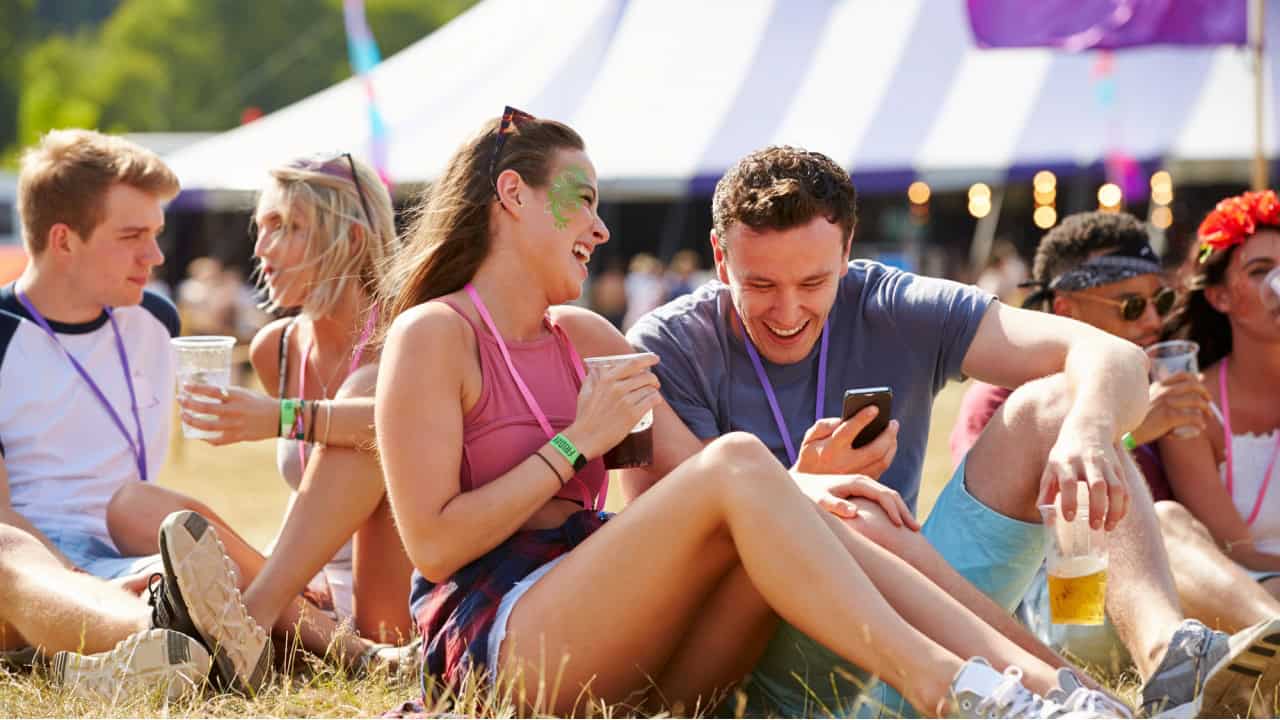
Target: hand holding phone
{"x": 858, "y": 398}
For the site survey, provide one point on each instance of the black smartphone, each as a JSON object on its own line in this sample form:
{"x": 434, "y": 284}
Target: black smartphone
{"x": 857, "y": 399}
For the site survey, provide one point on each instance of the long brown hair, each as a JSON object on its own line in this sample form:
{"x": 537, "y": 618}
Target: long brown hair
{"x": 1194, "y": 318}
{"x": 448, "y": 237}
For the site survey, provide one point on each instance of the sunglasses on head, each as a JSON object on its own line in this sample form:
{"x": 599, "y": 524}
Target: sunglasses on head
{"x": 1133, "y": 306}
{"x": 332, "y": 165}
{"x": 511, "y": 120}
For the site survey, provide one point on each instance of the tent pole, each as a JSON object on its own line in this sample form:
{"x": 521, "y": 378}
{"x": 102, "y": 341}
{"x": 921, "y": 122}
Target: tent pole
{"x": 1257, "y": 8}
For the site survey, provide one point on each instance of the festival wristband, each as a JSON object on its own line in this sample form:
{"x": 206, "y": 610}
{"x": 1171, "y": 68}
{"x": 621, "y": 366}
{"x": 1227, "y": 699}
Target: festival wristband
{"x": 288, "y": 415}
{"x": 566, "y": 448}
{"x": 1129, "y": 443}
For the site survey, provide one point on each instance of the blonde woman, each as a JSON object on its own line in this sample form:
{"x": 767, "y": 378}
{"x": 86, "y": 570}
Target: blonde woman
{"x": 325, "y": 226}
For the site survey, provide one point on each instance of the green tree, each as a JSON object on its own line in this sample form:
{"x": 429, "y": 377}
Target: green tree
{"x": 158, "y": 65}
{"x": 16, "y": 32}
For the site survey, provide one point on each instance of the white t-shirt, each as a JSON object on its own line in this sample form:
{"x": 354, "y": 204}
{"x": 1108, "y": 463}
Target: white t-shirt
{"x": 64, "y": 455}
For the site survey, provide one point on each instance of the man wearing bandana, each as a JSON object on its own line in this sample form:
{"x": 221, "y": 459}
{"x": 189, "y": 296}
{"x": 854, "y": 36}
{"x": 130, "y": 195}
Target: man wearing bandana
{"x": 792, "y": 323}
{"x": 1098, "y": 268}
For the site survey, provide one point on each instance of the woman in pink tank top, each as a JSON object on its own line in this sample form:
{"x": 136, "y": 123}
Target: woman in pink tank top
{"x": 491, "y": 439}
{"x": 1227, "y": 477}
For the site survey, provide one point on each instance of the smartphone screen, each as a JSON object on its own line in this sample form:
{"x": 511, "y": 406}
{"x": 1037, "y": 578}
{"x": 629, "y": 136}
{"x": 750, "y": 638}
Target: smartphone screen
{"x": 857, "y": 399}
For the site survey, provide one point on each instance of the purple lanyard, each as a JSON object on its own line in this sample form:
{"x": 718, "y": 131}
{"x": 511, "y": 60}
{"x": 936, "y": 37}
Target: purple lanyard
{"x": 139, "y": 449}
{"x": 768, "y": 387}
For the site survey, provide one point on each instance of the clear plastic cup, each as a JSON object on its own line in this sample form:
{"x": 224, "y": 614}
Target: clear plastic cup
{"x": 636, "y": 449}
{"x": 1170, "y": 358}
{"x": 202, "y": 360}
{"x": 1076, "y": 564}
{"x": 1271, "y": 293}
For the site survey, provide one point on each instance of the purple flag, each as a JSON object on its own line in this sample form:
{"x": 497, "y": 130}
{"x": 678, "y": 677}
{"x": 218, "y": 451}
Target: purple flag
{"x": 1107, "y": 24}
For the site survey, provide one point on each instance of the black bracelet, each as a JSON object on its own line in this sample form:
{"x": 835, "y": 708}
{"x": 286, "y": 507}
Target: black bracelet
{"x": 543, "y": 458}
{"x": 311, "y": 424}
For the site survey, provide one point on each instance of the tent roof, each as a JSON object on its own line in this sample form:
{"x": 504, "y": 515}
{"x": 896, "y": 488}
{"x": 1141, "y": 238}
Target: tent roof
{"x": 668, "y": 93}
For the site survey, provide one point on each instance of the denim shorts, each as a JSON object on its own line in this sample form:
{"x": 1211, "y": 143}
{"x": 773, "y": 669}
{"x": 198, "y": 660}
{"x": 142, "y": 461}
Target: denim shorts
{"x": 797, "y": 677}
{"x": 98, "y": 557}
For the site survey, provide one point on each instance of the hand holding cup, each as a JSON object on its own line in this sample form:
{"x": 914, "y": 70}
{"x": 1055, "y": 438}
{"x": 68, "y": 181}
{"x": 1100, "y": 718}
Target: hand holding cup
{"x": 616, "y": 400}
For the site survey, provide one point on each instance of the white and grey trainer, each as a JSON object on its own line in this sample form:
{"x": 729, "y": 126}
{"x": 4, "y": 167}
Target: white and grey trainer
{"x": 1073, "y": 695}
{"x": 202, "y": 578}
{"x": 156, "y": 660}
{"x": 979, "y": 691}
{"x": 1205, "y": 673}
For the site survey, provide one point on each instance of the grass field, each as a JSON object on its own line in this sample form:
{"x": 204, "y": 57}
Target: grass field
{"x": 241, "y": 484}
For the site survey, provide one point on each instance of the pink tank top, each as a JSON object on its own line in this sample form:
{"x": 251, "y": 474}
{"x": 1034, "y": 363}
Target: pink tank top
{"x": 500, "y": 432}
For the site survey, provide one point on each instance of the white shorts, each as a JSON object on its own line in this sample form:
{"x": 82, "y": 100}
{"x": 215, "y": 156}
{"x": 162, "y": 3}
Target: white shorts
{"x": 499, "y": 630}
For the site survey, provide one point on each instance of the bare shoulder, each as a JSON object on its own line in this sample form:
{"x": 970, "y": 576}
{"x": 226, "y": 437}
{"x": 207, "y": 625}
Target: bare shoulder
{"x": 591, "y": 334}
{"x": 264, "y": 352}
{"x": 432, "y": 328}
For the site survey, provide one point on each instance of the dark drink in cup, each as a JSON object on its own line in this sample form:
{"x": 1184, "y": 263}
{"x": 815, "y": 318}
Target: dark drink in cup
{"x": 636, "y": 449}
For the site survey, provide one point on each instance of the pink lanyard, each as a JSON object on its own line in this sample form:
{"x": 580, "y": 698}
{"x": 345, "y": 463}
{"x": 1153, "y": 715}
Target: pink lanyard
{"x": 356, "y": 354}
{"x": 529, "y": 400}
{"x": 1226, "y": 424}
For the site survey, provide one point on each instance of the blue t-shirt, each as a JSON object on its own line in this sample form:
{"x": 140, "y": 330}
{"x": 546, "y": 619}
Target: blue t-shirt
{"x": 888, "y": 327}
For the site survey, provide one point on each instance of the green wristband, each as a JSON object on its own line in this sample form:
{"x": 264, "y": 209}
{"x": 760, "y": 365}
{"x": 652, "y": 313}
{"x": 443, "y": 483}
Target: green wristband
{"x": 288, "y": 415}
{"x": 1128, "y": 442}
{"x": 570, "y": 452}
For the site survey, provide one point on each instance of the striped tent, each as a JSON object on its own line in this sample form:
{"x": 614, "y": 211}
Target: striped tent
{"x": 668, "y": 93}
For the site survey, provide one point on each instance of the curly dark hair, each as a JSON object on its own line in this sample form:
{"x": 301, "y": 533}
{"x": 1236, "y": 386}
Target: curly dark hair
{"x": 1082, "y": 235}
{"x": 782, "y": 187}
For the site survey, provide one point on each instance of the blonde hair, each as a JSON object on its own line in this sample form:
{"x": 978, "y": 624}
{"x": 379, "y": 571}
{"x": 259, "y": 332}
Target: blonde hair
{"x": 65, "y": 179}
{"x": 325, "y": 193}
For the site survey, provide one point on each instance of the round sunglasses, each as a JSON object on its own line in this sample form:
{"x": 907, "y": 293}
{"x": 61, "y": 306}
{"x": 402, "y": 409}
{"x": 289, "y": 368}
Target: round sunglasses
{"x": 1133, "y": 306}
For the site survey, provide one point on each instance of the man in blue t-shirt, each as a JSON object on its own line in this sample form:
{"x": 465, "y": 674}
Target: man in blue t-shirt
{"x": 817, "y": 324}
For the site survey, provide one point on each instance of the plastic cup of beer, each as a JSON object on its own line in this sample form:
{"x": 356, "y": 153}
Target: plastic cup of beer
{"x": 1170, "y": 358}
{"x": 1271, "y": 293}
{"x": 1076, "y": 563}
{"x": 202, "y": 360}
{"x": 636, "y": 449}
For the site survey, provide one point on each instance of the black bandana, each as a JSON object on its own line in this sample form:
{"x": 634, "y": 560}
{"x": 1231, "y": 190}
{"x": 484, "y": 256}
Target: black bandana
{"x": 1128, "y": 261}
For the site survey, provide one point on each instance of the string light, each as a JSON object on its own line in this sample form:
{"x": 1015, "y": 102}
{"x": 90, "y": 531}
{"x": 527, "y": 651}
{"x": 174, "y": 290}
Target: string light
{"x": 1110, "y": 196}
{"x": 1044, "y": 217}
{"x": 1044, "y": 181}
{"x": 979, "y": 207}
{"x": 1162, "y": 217}
{"x": 918, "y": 193}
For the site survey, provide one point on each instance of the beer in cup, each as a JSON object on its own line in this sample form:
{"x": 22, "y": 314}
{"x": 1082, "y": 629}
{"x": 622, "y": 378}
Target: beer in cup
{"x": 636, "y": 449}
{"x": 1076, "y": 563}
{"x": 1170, "y": 358}
{"x": 203, "y": 360}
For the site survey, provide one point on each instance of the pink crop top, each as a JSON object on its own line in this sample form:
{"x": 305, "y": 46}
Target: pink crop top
{"x": 500, "y": 432}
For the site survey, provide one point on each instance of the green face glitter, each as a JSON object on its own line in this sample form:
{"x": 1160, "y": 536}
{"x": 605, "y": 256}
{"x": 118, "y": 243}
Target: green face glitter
{"x": 565, "y": 195}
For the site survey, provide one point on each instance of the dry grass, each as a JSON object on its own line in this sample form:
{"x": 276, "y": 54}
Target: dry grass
{"x": 242, "y": 485}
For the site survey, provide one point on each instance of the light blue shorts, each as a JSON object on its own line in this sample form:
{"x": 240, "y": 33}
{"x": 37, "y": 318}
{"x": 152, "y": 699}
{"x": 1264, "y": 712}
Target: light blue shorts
{"x": 98, "y": 558}
{"x": 797, "y": 677}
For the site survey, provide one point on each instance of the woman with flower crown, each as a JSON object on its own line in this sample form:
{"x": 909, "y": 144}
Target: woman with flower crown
{"x": 1224, "y": 476}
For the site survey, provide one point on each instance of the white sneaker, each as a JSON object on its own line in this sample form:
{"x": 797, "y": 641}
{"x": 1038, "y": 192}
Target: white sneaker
{"x": 146, "y": 661}
{"x": 1073, "y": 695}
{"x": 978, "y": 691}
{"x": 196, "y": 562}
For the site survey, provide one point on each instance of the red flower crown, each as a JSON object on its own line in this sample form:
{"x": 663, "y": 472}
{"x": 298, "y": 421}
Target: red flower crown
{"x": 1236, "y": 218}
